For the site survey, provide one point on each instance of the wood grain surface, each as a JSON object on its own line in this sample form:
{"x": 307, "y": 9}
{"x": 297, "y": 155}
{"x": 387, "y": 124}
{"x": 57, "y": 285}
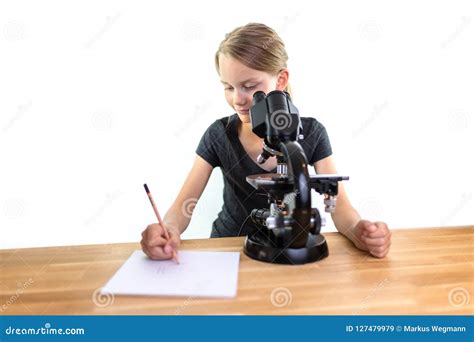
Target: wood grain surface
{"x": 428, "y": 271}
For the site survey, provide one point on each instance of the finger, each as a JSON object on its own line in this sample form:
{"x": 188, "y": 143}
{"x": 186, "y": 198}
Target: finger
{"x": 368, "y": 228}
{"x": 156, "y": 241}
{"x": 146, "y": 232}
{"x": 380, "y": 232}
{"x": 148, "y": 254}
{"x": 159, "y": 253}
{"x": 174, "y": 240}
{"x": 154, "y": 236}
{"x": 375, "y": 242}
{"x": 168, "y": 248}
{"x": 382, "y": 253}
{"x": 380, "y": 226}
{"x": 378, "y": 249}
{"x": 154, "y": 252}
{"x": 145, "y": 250}
{"x": 154, "y": 230}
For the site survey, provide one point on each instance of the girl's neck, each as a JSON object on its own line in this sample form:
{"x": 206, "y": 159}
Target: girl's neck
{"x": 245, "y": 132}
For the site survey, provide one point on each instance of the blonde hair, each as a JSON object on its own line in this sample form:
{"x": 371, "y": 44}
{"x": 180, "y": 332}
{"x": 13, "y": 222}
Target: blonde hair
{"x": 257, "y": 46}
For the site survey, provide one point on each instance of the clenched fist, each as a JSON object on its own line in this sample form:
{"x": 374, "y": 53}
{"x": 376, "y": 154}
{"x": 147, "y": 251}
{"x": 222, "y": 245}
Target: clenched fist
{"x": 155, "y": 245}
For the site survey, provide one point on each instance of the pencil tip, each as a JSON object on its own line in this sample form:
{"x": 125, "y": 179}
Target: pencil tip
{"x": 146, "y": 188}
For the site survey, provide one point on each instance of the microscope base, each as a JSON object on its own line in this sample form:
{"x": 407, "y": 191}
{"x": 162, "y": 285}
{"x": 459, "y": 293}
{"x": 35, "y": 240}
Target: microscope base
{"x": 259, "y": 247}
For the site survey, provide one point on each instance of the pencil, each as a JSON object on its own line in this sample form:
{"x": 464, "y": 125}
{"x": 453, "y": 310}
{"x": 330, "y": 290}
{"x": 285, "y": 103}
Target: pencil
{"x": 155, "y": 209}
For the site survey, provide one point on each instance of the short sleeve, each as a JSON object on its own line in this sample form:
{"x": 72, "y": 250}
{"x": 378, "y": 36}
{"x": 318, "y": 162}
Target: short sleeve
{"x": 321, "y": 146}
{"x": 207, "y": 148}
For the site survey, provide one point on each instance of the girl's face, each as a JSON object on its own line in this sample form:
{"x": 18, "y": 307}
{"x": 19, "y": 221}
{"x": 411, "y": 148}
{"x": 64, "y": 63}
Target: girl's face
{"x": 241, "y": 82}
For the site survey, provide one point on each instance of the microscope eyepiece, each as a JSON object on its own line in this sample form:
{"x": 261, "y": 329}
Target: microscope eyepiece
{"x": 258, "y": 96}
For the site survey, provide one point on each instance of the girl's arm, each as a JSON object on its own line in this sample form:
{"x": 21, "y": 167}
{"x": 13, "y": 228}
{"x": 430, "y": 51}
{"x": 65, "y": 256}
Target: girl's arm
{"x": 180, "y": 212}
{"x": 373, "y": 237}
{"x": 155, "y": 242}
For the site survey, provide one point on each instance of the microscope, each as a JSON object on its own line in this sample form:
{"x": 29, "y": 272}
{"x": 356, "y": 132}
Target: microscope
{"x": 289, "y": 231}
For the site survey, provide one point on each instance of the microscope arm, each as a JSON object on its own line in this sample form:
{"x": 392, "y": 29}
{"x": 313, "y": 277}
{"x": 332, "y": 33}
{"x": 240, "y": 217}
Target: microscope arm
{"x": 298, "y": 170}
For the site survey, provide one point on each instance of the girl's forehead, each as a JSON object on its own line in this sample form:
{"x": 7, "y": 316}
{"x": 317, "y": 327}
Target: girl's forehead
{"x": 233, "y": 71}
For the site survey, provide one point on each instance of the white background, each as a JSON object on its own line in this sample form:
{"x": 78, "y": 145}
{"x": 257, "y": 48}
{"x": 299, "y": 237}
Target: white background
{"x": 98, "y": 97}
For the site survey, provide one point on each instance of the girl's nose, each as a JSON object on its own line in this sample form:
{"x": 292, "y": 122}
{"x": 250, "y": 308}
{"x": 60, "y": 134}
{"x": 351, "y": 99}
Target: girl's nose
{"x": 240, "y": 98}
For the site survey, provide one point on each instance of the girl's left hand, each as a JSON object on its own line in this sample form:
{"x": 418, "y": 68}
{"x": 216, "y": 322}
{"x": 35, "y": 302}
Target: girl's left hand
{"x": 373, "y": 237}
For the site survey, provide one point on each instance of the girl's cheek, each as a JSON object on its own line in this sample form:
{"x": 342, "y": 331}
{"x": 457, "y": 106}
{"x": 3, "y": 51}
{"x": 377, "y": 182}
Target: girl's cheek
{"x": 230, "y": 100}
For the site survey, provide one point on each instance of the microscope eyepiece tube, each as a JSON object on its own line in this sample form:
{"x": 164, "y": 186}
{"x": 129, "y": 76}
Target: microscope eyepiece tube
{"x": 277, "y": 101}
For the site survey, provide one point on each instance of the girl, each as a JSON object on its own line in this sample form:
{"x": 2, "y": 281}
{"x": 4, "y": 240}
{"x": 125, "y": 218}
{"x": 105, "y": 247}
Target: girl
{"x": 252, "y": 58}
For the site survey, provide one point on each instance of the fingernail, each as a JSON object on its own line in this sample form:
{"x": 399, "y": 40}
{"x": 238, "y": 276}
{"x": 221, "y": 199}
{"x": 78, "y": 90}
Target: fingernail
{"x": 167, "y": 248}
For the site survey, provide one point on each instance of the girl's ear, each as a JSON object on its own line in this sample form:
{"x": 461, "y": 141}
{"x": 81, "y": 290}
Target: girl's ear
{"x": 282, "y": 79}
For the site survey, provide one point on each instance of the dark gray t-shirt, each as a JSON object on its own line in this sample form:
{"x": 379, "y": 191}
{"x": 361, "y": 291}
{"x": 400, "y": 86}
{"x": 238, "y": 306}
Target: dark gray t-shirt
{"x": 220, "y": 147}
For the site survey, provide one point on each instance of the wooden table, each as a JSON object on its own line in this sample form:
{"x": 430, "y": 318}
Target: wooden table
{"x": 428, "y": 271}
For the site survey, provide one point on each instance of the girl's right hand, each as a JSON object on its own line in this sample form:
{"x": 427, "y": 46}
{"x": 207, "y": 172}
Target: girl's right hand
{"x": 155, "y": 245}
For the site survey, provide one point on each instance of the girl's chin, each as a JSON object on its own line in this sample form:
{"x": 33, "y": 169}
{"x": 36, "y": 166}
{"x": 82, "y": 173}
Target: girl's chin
{"x": 244, "y": 118}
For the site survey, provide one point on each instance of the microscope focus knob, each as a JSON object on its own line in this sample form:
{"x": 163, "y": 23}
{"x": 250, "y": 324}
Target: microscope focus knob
{"x": 330, "y": 204}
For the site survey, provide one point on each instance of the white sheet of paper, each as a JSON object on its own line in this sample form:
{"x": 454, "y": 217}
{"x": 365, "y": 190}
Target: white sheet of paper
{"x": 199, "y": 274}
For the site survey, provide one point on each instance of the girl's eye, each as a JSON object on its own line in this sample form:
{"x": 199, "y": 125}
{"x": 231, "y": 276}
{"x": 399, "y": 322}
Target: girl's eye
{"x": 250, "y": 88}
